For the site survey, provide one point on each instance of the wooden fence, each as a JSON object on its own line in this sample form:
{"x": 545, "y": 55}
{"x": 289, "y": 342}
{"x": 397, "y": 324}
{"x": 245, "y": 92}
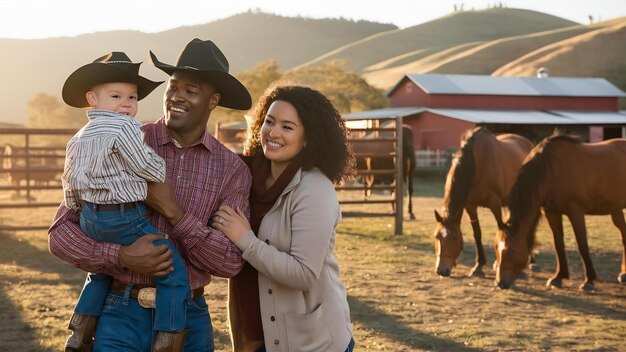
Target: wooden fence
{"x": 431, "y": 158}
{"x": 369, "y": 144}
{"x": 31, "y": 161}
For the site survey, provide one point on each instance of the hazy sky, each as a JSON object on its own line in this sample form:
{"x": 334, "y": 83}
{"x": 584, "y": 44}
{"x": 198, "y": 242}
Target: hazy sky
{"x": 53, "y": 18}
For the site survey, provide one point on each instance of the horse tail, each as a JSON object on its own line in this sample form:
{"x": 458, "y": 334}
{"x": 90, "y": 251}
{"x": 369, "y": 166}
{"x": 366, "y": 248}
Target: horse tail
{"x": 408, "y": 150}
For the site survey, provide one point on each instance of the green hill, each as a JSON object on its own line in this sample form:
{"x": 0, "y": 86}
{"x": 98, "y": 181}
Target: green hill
{"x": 253, "y": 37}
{"x": 497, "y": 41}
{"x": 599, "y": 53}
{"x": 446, "y": 32}
{"x": 34, "y": 66}
{"x": 480, "y": 58}
{"x": 588, "y": 54}
{"x": 486, "y": 58}
{"x": 385, "y": 78}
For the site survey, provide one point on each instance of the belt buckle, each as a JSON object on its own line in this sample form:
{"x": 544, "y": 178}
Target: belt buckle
{"x": 147, "y": 297}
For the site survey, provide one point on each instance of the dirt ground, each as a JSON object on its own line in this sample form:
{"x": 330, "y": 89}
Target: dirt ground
{"x": 397, "y": 301}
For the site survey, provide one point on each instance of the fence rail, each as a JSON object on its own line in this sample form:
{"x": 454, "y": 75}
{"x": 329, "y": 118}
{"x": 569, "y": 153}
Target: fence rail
{"x": 31, "y": 160}
{"x": 431, "y": 158}
{"x": 29, "y": 150}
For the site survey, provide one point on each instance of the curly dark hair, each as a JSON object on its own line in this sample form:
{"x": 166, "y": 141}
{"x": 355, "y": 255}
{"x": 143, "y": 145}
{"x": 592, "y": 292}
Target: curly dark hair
{"x": 324, "y": 129}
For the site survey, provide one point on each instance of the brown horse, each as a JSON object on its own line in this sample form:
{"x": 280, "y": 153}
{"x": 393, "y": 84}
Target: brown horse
{"x": 565, "y": 177}
{"x": 41, "y": 164}
{"x": 482, "y": 174}
{"x": 387, "y": 162}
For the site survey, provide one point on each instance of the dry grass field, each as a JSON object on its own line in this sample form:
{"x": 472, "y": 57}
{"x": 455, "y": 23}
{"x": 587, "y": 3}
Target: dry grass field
{"x": 397, "y": 301}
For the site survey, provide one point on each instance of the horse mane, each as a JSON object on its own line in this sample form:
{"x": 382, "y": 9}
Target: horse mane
{"x": 536, "y": 168}
{"x": 461, "y": 174}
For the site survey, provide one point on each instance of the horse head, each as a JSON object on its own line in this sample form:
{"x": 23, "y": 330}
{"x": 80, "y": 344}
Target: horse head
{"x": 512, "y": 255}
{"x": 448, "y": 243}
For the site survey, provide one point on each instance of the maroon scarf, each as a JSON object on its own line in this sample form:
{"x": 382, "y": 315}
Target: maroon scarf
{"x": 246, "y": 284}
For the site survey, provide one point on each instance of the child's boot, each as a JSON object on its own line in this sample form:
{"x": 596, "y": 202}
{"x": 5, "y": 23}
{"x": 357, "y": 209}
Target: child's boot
{"x": 169, "y": 341}
{"x": 83, "y": 329}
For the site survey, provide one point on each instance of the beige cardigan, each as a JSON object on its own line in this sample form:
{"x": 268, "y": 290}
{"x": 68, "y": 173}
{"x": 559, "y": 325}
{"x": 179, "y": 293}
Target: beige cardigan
{"x": 303, "y": 303}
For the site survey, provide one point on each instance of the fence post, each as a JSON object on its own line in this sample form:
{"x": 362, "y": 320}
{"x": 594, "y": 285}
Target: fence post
{"x": 399, "y": 177}
{"x": 27, "y": 156}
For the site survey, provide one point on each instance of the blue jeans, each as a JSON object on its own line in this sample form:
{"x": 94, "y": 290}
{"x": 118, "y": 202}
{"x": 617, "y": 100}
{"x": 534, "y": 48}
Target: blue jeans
{"x": 350, "y": 345}
{"x": 126, "y": 326}
{"x": 125, "y": 227}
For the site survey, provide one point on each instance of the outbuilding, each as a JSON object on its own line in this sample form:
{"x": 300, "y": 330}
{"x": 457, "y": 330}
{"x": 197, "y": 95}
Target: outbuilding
{"x": 440, "y": 107}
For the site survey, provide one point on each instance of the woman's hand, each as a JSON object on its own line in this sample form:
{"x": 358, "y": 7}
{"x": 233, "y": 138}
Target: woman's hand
{"x": 232, "y": 223}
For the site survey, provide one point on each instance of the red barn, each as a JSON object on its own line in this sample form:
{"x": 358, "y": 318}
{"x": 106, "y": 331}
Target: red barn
{"x": 441, "y": 107}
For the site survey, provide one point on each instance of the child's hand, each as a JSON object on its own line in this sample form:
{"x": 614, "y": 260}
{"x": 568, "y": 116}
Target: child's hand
{"x": 232, "y": 223}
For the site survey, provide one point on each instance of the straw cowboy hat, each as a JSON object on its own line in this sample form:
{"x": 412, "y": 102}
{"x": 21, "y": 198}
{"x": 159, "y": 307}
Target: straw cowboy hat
{"x": 203, "y": 58}
{"x": 112, "y": 67}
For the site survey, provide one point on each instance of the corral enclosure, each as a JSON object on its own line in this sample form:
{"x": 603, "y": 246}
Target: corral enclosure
{"x": 31, "y": 164}
{"x": 397, "y": 301}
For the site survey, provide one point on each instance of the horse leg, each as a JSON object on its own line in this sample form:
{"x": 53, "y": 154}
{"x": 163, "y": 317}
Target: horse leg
{"x": 555, "y": 220}
{"x": 410, "y": 185}
{"x": 495, "y": 206}
{"x": 577, "y": 218}
{"x": 532, "y": 265}
{"x": 368, "y": 179}
{"x": 618, "y": 221}
{"x": 480, "y": 259}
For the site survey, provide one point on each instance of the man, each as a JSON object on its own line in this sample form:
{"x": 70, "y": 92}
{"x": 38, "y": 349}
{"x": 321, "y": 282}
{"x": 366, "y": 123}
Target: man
{"x": 201, "y": 176}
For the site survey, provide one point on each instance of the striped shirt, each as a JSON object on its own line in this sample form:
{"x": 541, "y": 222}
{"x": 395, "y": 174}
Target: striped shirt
{"x": 204, "y": 176}
{"x": 107, "y": 162}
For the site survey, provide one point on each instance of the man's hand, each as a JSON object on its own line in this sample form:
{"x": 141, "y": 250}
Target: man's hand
{"x": 161, "y": 199}
{"x": 143, "y": 257}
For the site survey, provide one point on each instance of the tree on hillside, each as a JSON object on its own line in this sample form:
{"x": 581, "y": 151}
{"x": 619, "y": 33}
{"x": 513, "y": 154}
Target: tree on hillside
{"x": 256, "y": 81}
{"x": 259, "y": 78}
{"x": 46, "y": 111}
{"x": 346, "y": 90}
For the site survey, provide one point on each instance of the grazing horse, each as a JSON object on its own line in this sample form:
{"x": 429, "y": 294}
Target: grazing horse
{"x": 379, "y": 162}
{"x": 42, "y": 166}
{"x": 482, "y": 174}
{"x": 565, "y": 177}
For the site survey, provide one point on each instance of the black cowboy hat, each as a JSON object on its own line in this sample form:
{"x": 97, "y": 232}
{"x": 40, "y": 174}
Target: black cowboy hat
{"x": 112, "y": 67}
{"x": 205, "y": 59}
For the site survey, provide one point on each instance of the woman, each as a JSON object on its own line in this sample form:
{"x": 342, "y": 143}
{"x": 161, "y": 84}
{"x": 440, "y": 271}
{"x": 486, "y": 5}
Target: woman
{"x": 297, "y": 149}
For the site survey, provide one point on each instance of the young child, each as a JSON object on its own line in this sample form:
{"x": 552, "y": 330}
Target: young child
{"x": 107, "y": 168}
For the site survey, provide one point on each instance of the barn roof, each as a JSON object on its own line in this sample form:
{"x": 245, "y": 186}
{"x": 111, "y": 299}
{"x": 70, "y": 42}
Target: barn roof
{"x": 235, "y": 125}
{"x": 534, "y": 117}
{"x": 593, "y": 117}
{"x": 520, "y": 117}
{"x": 551, "y": 117}
{"x": 382, "y": 114}
{"x": 521, "y": 86}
